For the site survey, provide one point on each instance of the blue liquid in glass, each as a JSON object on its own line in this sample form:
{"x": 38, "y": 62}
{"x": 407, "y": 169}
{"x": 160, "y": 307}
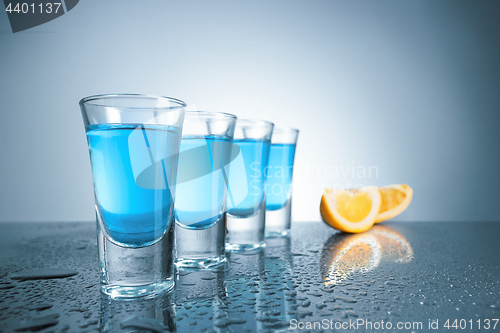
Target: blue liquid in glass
{"x": 202, "y": 180}
{"x": 279, "y": 175}
{"x": 133, "y": 167}
{"x": 255, "y": 159}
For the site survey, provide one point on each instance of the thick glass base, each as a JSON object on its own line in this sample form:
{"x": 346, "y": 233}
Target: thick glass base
{"x": 278, "y": 221}
{"x": 246, "y": 233}
{"x": 116, "y": 291}
{"x": 201, "y": 248}
{"x": 200, "y": 263}
{"x": 276, "y": 234}
{"x": 127, "y": 272}
{"x": 245, "y": 247}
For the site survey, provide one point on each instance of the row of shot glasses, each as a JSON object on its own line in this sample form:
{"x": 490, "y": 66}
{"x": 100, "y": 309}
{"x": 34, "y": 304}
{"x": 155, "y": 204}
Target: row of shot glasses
{"x": 230, "y": 180}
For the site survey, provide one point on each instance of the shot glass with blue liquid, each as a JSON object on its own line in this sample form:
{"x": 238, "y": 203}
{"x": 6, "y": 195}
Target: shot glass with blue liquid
{"x": 200, "y": 208}
{"x": 279, "y": 175}
{"x": 134, "y": 144}
{"x": 246, "y": 193}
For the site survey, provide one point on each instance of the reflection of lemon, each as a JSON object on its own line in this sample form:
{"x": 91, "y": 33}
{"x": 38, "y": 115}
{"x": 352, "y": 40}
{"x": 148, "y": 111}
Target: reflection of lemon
{"x": 343, "y": 253}
{"x": 395, "y": 199}
{"x": 394, "y": 246}
{"x": 350, "y": 210}
{"x": 353, "y": 253}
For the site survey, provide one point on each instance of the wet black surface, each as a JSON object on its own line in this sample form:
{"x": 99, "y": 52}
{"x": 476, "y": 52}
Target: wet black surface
{"x": 318, "y": 279}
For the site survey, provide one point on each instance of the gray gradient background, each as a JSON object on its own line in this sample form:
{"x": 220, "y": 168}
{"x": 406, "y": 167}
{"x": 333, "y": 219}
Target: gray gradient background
{"x": 409, "y": 87}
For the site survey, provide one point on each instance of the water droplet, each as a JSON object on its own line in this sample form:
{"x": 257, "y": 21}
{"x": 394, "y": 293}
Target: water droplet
{"x": 40, "y": 307}
{"x": 277, "y": 324}
{"x": 38, "y": 323}
{"x": 5, "y": 286}
{"x": 299, "y": 313}
{"x": 49, "y": 273}
{"x": 351, "y": 313}
{"x": 272, "y": 313}
{"x": 225, "y": 322}
{"x": 345, "y": 299}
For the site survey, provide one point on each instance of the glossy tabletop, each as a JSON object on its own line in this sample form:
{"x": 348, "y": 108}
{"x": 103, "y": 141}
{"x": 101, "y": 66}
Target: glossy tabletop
{"x": 412, "y": 277}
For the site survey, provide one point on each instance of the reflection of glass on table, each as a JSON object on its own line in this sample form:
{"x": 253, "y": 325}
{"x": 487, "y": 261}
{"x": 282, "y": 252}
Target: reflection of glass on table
{"x": 156, "y": 314}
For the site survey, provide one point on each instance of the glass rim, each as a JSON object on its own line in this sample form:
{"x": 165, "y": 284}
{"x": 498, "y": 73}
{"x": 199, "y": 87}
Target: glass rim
{"x": 210, "y": 113}
{"x": 262, "y": 123}
{"x": 286, "y": 129}
{"x": 88, "y": 100}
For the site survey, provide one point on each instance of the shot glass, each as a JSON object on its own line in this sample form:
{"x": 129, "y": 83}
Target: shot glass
{"x": 134, "y": 143}
{"x": 246, "y": 218}
{"x": 279, "y": 182}
{"x": 200, "y": 208}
